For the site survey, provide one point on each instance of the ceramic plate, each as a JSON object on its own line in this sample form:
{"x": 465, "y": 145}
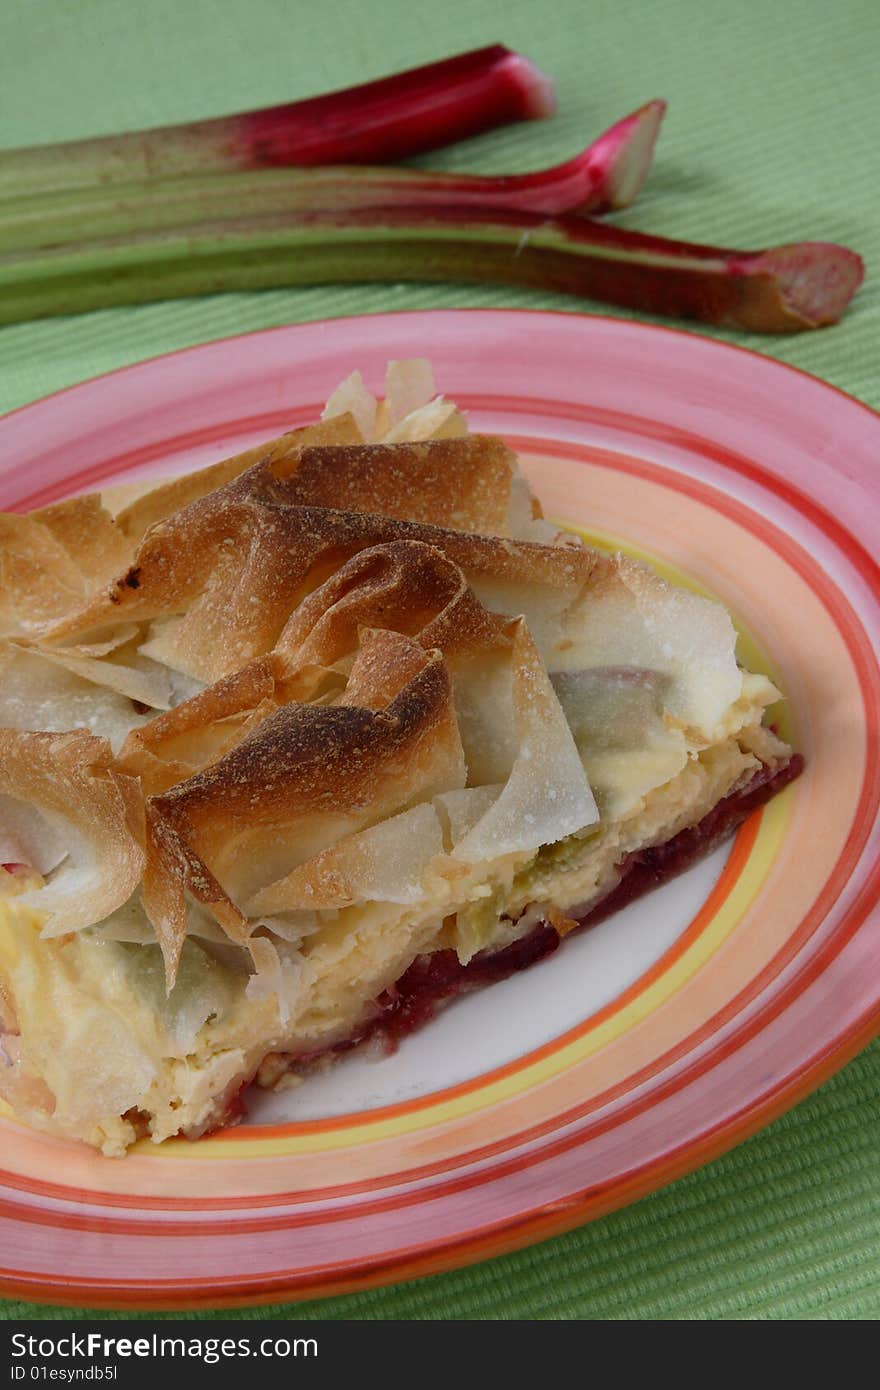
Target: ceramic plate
{"x": 646, "y": 1045}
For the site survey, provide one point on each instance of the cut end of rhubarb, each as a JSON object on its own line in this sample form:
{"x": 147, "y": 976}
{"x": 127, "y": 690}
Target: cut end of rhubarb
{"x": 536, "y": 90}
{"x": 813, "y": 281}
{"x": 624, "y": 154}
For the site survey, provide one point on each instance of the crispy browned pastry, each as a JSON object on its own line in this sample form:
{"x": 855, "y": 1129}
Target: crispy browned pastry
{"x": 91, "y": 537}
{"x": 405, "y": 587}
{"x": 331, "y": 651}
{"x": 53, "y": 559}
{"x": 135, "y": 519}
{"x": 280, "y": 730}
{"x": 308, "y": 773}
{"x": 218, "y": 580}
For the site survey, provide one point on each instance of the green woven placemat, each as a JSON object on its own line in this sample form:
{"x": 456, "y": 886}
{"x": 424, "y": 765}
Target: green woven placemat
{"x": 771, "y": 136}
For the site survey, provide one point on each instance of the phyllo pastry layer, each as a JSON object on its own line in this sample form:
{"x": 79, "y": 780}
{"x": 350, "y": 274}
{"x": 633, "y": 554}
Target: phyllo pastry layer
{"x": 298, "y": 746}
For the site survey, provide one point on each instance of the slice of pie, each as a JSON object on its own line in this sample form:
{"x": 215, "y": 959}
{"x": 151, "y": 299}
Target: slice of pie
{"x": 298, "y": 746}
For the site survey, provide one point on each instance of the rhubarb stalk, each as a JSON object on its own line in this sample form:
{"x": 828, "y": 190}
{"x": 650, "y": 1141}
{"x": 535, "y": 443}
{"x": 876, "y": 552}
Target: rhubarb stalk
{"x": 375, "y": 123}
{"x": 607, "y": 175}
{"x": 780, "y": 290}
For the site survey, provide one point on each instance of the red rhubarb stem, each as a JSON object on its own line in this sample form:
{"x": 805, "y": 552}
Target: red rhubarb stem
{"x": 396, "y": 117}
{"x": 783, "y": 289}
{"x": 606, "y": 175}
{"x": 620, "y": 159}
{"x": 375, "y": 123}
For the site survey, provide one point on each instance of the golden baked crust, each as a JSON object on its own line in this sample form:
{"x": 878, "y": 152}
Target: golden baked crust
{"x": 313, "y": 771}
{"x": 219, "y": 578}
{"x": 279, "y": 727}
{"x": 136, "y": 518}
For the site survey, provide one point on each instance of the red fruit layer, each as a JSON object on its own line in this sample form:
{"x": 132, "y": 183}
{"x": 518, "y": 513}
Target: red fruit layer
{"x": 436, "y": 978}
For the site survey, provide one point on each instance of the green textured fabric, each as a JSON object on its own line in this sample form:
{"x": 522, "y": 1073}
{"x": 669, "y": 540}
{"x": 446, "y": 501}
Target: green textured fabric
{"x": 771, "y": 136}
